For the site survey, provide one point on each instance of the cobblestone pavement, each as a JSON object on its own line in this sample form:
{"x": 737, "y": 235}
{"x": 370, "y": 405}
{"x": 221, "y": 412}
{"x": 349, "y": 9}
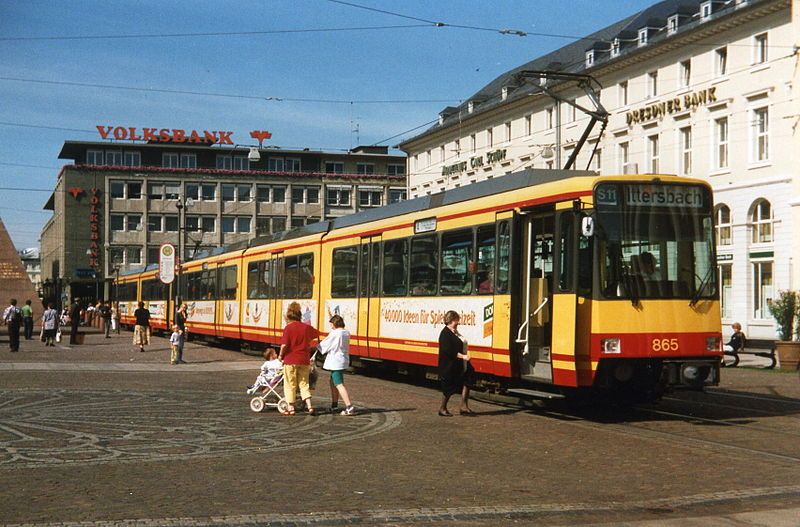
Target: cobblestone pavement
{"x": 103, "y": 435}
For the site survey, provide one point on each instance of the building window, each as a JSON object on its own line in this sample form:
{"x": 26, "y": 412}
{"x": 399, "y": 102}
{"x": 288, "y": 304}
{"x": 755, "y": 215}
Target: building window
{"x": 672, "y": 24}
{"x": 622, "y": 92}
{"x": 275, "y": 164}
{"x": 170, "y": 160}
{"x": 705, "y": 10}
{"x": 243, "y": 193}
{"x": 686, "y": 150}
{"x": 243, "y": 224}
{"x": 95, "y": 157}
{"x": 528, "y": 123}
{"x": 598, "y": 159}
{"x": 721, "y": 62}
{"x": 549, "y": 123}
{"x": 278, "y": 194}
{"x": 685, "y": 74}
{"x": 724, "y": 226}
{"x": 133, "y": 159}
{"x": 652, "y": 84}
{"x": 396, "y": 195}
{"x": 721, "y": 143}
{"x": 305, "y": 194}
{"x": 133, "y": 222}
{"x": 292, "y": 164}
{"x": 623, "y": 151}
{"x": 369, "y": 168}
{"x": 133, "y": 190}
{"x": 200, "y": 223}
{"x": 333, "y": 167}
{"x": 508, "y": 131}
{"x": 133, "y": 255}
{"x": 760, "y": 49}
{"x": 262, "y": 194}
{"x": 339, "y": 196}
{"x": 590, "y": 58}
{"x": 116, "y": 222}
{"x": 473, "y": 143}
{"x": 209, "y": 223}
{"x": 489, "y": 138}
{"x": 198, "y": 191}
{"x": 760, "y": 134}
{"x": 761, "y": 220}
{"x": 188, "y": 160}
{"x": 116, "y": 189}
{"x": 236, "y": 224}
{"x": 117, "y": 255}
{"x": 762, "y": 289}
{"x": 368, "y": 197}
{"x": 225, "y": 162}
{"x": 228, "y": 192}
{"x": 114, "y": 158}
{"x": 615, "y": 48}
{"x": 726, "y": 290}
{"x": 155, "y": 223}
{"x": 170, "y": 223}
{"x": 400, "y": 170}
{"x": 643, "y": 36}
{"x": 155, "y": 190}
{"x": 428, "y": 158}
{"x": 653, "y": 153}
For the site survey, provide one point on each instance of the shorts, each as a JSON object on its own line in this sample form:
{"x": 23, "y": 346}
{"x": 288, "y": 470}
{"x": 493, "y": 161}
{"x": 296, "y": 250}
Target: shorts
{"x": 337, "y": 377}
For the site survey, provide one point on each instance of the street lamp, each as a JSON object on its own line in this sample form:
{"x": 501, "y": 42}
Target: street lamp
{"x": 182, "y": 204}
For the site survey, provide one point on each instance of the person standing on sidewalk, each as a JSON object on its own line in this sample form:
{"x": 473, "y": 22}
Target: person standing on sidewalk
{"x": 296, "y": 344}
{"x": 141, "y": 332}
{"x": 50, "y": 325}
{"x": 180, "y": 321}
{"x": 27, "y": 319}
{"x": 74, "y": 321}
{"x": 115, "y": 318}
{"x": 105, "y": 314}
{"x": 455, "y": 371}
{"x": 12, "y": 317}
{"x": 336, "y": 348}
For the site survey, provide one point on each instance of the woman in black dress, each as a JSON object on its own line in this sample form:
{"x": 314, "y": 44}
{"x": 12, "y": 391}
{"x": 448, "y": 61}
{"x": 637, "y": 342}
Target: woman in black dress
{"x": 455, "y": 371}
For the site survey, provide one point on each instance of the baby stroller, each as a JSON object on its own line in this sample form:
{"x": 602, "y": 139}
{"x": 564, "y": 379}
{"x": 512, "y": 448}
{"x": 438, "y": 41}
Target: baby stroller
{"x": 270, "y": 396}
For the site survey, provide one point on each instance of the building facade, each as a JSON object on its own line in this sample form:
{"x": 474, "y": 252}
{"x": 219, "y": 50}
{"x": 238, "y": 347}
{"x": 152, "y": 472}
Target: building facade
{"x": 707, "y": 89}
{"x": 33, "y": 266}
{"x": 120, "y": 201}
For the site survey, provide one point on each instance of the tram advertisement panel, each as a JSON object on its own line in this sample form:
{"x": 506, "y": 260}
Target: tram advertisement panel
{"x": 308, "y": 309}
{"x": 423, "y": 318}
{"x": 345, "y": 308}
{"x": 256, "y": 313}
{"x": 157, "y": 309}
{"x": 201, "y": 311}
{"x": 230, "y": 311}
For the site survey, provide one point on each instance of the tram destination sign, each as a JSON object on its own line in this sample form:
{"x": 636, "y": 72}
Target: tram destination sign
{"x": 651, "y": 195}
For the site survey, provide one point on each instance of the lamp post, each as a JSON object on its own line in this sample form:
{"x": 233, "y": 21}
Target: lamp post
{"x": 182, "y": 204}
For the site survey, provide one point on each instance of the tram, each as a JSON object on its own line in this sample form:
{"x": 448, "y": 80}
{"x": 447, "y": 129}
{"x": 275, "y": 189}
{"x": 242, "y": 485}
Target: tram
{"x": 565, "y": 280}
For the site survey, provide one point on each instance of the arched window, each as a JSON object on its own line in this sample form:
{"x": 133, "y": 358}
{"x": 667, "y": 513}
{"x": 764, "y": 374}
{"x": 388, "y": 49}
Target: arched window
{"x": 723, "y": 221}
{"x": 761, "y": 219}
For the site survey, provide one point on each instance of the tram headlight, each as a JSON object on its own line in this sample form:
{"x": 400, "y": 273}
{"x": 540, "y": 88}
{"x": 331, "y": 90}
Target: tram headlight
{"x": 611, "y": 345}
{"x": 713, "y": 343}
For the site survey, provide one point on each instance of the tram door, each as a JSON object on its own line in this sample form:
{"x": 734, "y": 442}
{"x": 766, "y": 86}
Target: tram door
{"x": 276, "y": 319}
{"x": 369, "y": 306}
{"x": 535, "y": 327}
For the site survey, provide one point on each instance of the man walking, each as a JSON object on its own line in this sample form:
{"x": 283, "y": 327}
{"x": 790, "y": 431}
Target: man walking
{"x": 141, "y": 332}
{"x": 27, "y": 319}
{"x": 105, "y": 314}
{"x": 75, "y": 322}
{"x": 12, "y": 317}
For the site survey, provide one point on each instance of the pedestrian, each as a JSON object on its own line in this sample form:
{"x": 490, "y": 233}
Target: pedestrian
{"x": 336, "y": 348}
{"x": 27, "y": 319}
{"x": 296, "y": 345}
{"x": 105, "y": 314}
{"x": 74, "y": 321}
{"x": 738, "y": 339}
{"x": 89, "y": 314}
{"x": 12, "y": 317}
{"x": 141, "y": 332}
{"x": 50, "y": 325}
{"x": 176, "y": 343}
{"x": 180, "y": 320}
{"x": 115, "y": 317}
{"x": 455, "y": 371}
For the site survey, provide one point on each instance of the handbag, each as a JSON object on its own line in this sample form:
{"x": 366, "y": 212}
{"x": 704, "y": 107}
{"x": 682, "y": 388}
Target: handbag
{"x": 312, "y": 377}
{"x": 58, "y": 336}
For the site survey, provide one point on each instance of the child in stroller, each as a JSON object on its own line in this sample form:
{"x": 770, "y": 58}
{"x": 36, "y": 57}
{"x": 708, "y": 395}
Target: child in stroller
{"x": 267, "y": 384}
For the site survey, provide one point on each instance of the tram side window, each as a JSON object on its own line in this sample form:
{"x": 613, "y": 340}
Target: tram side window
{"x": 154, "y": 290}
{"x": 290, "y": 277}
{"x": 585, "y": 266}
{"x": 126, "y": 292}
{"x": 395, "y": 267}
{"x": 280, "y": 290}
{"x": 486, "y": 259}
{"x": 191, "y": 285}
{"x": 208, "y": 285}
{"x": 305, "y": 276}
{"x": 423, "y": 265}
{"x": 345, "y": 272}
{"x": 455, "y": 276}
{"x": 363, "y": 288}
{"x": 375, "y": 268}
{"x": 565, "y": 252}
{"x": 503, "y": 256}
{"x": 259, "y": 279}
{"x": 226, "y": 280}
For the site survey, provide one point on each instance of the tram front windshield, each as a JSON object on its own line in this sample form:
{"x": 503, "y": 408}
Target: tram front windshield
{"x": 655, "y": 240}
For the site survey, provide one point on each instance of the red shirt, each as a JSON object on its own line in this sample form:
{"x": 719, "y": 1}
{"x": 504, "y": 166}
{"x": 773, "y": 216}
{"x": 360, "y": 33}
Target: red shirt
{"x": 297, "y": 337}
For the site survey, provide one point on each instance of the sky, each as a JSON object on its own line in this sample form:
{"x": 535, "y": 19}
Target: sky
{"x": 259, "y": 57}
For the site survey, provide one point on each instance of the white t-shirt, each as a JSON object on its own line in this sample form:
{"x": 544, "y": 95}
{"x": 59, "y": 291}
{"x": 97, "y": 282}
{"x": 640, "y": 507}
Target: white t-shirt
{"x": 336, "y": 348}
{"x": 271, "y": 368}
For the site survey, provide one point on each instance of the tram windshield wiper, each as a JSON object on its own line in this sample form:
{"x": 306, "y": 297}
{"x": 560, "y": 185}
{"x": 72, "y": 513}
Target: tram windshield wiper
{"x": 702, "y": 287}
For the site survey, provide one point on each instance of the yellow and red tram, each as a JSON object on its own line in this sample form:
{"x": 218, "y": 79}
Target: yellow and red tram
{"x": 562, "y": 278}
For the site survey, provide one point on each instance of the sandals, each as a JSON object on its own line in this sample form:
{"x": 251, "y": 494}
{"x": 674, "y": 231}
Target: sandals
{"x": 290, "y": 411}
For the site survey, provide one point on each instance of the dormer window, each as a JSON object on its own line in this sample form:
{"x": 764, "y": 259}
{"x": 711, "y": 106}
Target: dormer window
{"x": 590, "y": 58}
{"x": 615, "y": 48}
{"x": 643, "y": 36}
{"x": 705, "y": 10}
{"x": 471, "y": 106}
{"x": 505, "y": 92}
{"x": 672, "y": 24}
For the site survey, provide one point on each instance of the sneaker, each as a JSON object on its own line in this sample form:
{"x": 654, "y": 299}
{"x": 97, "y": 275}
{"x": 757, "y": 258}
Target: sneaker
{"x": 348, "y": 411}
